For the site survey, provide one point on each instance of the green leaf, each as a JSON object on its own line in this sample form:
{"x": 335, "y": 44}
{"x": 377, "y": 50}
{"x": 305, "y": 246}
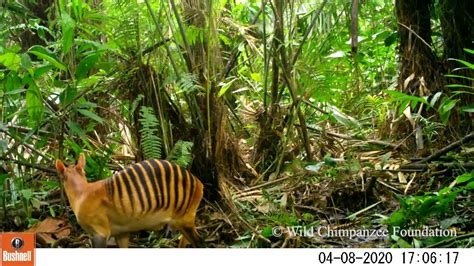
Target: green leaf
{"x": 77, "y": 8}
{"x": 91, "y": 115}
{"x": 36, "y": 203}
{"x": 464, "y": 178}
{"x": 458, "y": 86}
{"x": 225, "y": 87}
{"x": 467, "y": 109}
{"x": 47, "y": 55}
{"x": 34, "y": 103}
{"x": 49, "y": 185}
{"x": 403, "y": 244}
{"x": 67, "y": 95}
{"x": 391, "y": 39}
{"x": 267, "y": 232}
{"x": 469, "y": 50}
{"x": 469, "y": 65}
{"x": 445, "y": 109}
{"x": 435, "y": 98}
{"x": 74, "y": 146}
{"x": 181, "y": 153}
{"x": 256, "y": 76}
{"x": 400, "y": 96}
{"x": 85, "y": 65}
{"x": 458, "y": 76}
{"x": 26, "y": 61}
{"x": 12, "y": 82}
{"x": 10, "y": 60}
{"x": 151, "y": 139}
{"x": 3, "y": 177}
{"x": 446, "y": 223}
{"x": 469, "y": 185}
{"x": 67, "y": 26}
{"x": 38, "y": 72}
{"x": 13, "y": 92}
{"x": 396, "y": 219}
{"x": 26, "y": 193}
{"x": 344, "y": 119}
{"x": 76, "y": 129}
{"x": 86, "y": 105}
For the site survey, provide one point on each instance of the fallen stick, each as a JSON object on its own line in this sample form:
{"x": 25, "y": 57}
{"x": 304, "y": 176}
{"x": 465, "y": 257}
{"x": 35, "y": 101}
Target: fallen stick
{"x": 448, "y": 148}
{"x": 39, "y": 167}
{"x": 424, "y": 166}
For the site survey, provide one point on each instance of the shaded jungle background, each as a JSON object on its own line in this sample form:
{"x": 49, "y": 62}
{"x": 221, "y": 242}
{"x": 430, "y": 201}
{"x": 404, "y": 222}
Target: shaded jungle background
{"x": 348, "y": 114}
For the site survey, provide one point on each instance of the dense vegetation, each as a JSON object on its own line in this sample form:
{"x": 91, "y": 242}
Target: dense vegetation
{"x": 349, "y": 114}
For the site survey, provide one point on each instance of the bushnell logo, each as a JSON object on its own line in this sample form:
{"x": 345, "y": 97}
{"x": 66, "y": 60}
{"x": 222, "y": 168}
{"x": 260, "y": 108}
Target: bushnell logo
{"x": 17, "y": 243}
{"x": 17, "y": 249}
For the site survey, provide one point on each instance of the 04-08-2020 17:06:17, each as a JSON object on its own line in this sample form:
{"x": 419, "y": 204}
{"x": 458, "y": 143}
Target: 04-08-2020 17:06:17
{"x": 386, "y": 257}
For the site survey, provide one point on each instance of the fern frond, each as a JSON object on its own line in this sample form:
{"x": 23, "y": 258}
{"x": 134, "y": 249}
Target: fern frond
{"x": 181, "y": 153}
{"x": 135, "y": 103}
{"x": 150, "y": 142}
{"x": 188, "y": 84}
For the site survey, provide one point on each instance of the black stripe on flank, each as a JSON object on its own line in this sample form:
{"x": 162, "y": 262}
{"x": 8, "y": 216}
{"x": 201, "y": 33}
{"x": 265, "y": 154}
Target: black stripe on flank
{"x": 116, "y": 180}
{"x": 177, "y": 175}
{"x": 143, "y": 177}
{"x": 136, "y": 185}
{"x": 126, "y": 182}
{"x": 152, "y": 178}
{"x": 108, "y": 188}
{"x": 185, "y": 184}
{"x": 168, "y": 171}
{"x": 159, "y": 182}
{"x": 191, "y": 191}
{"x": 118, "y": 190}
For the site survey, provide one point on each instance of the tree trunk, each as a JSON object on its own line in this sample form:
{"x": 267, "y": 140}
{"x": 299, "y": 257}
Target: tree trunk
{"x": 457, "y": 24}
{"x": 216, "y": 152}
{"x": 416, "y": 55}
{"x": 39, "y": 9}
{"x": 419, "y": 69}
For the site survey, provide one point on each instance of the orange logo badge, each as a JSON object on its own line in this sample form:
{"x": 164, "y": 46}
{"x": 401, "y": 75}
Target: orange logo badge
{"x": 17, "y": 249}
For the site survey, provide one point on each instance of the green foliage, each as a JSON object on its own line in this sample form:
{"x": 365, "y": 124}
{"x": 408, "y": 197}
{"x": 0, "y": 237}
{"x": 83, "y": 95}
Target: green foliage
{"x": 181, "y": 153}
{"x": 47, "y": 55}
{"x": 189, "y": 84}
{"x": 406, "y": 100}
{"x": 150, "y": 142}
{"x": 135, "y": 103}
{"x": 283, "y": 219}
{"x": 460, "y": 89}
{"x": 10, "y": 60}
{"x": 69, "y": 90}
{"x": 442, "y": 103}
{"x": 67, "y": 24}
{"x": 416, "y": 211}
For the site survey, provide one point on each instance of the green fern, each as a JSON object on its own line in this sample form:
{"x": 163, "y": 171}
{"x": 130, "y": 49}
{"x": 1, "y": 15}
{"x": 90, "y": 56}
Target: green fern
{"x": 151, "y": 142}
{"x": 135, "y": 103}
{"x": 181, "y": 153}
{"x": 189, "y": 84}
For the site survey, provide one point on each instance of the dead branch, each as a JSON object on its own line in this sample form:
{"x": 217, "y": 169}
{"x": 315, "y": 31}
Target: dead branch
{"x": 439, "y": 166}
{"x": 39, "y": 167}
{"x": 448, "y": 148}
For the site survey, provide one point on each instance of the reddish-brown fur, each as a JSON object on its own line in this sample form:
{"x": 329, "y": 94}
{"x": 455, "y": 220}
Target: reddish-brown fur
{"x": 99, "y": 215}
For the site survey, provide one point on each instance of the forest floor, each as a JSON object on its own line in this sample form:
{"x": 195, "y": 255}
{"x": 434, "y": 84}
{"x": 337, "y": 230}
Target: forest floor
{"x": 356, "y": 190}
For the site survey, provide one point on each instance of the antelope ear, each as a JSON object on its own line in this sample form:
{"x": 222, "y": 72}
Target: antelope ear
{"x": 81, "y": 162}
{"x": 60, "y": 167}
